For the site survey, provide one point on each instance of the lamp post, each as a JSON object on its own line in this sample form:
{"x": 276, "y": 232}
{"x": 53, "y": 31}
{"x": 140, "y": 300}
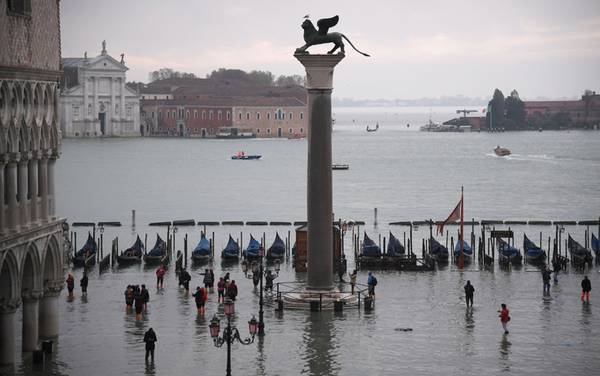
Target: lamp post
{"x": 260, "y": 270}
{"x": 230, "y": 333}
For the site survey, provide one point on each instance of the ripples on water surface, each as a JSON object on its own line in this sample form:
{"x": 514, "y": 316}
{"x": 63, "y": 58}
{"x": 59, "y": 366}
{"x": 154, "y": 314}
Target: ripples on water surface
{"x": 408, "y": 176}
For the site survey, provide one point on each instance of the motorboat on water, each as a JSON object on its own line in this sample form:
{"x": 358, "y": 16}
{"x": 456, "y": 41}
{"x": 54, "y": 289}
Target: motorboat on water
{"x": 501, "y": 152}
{"x": 243, "y": 156}
{"x": 373, "y": 129}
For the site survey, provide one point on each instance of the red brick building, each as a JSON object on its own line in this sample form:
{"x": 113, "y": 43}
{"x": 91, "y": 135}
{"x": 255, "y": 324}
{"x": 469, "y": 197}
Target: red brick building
{"x": 583, "y": 113}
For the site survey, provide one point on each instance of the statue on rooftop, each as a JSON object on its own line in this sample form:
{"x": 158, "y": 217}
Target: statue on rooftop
{"x": 313, "y": 36}
{"x": 103, "y": 47}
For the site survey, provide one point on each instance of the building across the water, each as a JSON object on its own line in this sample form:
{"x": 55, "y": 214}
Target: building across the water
{"x": 95, "y": 100}
{"x": 32, "y": 260}
{"x": 216, "y": 108}
{"x": 582, "y": 113}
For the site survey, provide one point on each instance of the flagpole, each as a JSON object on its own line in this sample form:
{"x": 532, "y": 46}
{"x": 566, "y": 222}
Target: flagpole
{"x": 462, "y": 241}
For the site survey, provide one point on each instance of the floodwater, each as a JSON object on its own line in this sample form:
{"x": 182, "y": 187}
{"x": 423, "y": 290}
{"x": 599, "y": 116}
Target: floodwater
{"x": 406, "y": 175}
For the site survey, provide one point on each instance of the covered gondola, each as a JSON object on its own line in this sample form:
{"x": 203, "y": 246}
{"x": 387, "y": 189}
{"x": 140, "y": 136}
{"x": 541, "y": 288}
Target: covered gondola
{"x": 596, "y": 247}
{"x": 158, "y": 253}
{"x": 253, "y": 250}
{"x": 133, "y": 254}
{"x": 467, "y": 252}
{"x": 533, "y": 253}
{"x": 579, "y": 254}
{"x": 369, "y": 248}
{"x": 277, "y": 250}
{"x": 86, "y": 256}
{"x": 202, "y": 253}
{"x": 394, "y": 247}
{"x": 231, "y": 250}
{"x": 438, "y": 251}
{"x": 507, "y": 254}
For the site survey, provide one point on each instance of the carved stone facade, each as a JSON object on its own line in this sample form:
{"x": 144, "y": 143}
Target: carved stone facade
{"x": 95, "y": 100}
{"x": 32, "y": 260}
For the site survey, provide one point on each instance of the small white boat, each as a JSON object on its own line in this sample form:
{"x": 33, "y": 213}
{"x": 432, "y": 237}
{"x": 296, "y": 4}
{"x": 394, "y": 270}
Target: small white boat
{"x": 501, "y": 152}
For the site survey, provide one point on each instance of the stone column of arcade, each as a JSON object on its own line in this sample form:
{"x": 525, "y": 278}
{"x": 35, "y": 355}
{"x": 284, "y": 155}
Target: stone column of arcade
{"x": 33, "y": 187}
{"x": 7, "y": 330}
{"x": 319, "y": 76}
{"x": 43, "y": 183}
{"x": 22, "y": 190}
{"x": 11, "y": 194}
{"x": 48, "y": 323}
{"x": 30, "y": 321}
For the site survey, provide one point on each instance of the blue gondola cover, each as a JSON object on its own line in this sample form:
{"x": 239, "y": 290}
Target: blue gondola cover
{"x": 277, "y": 249}
{"x": 253, "y": 249}
{"x": 369, "y": 248}
{"x": 394, "y": 247}
{"x": 160, "y": 247}
{"x": 203, "y": 247}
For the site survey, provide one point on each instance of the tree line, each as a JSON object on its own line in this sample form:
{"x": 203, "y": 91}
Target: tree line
{"x": 505, "y": 113}
{"x": 256, "y": 77}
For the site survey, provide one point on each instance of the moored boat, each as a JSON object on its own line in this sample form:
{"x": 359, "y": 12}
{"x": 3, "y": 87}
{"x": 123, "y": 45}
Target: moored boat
{"x": 467, "y": 252}
{"x": 369, "y": 249}
{"x": 438, "y": 251}
{"x": 277, "y": 250}
{"x": 507, "y": 254}
{"x": 579, "y": 254}
{"x": 132, "y": 254}
{"x": 86, "y": 256}
{"x": 533, "y": 253}
{"x": 231, "y": 250}
{"x": 394, "y": 247}
{"x": 158, "y": 253}
{"x": 253, "y": 250}
{"x": 596, "y": 247}
{"x": 240, "y": 155}
{"x": 501, "y": 152}
{"x": 202, "y": 252}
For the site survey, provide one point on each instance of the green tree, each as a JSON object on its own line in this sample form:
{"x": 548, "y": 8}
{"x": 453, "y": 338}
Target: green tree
{"x": 164, "y": 73}
{"x": 515, "y": 111}
{"x": 290, "y": 80}
{"x": 495, "y": 115}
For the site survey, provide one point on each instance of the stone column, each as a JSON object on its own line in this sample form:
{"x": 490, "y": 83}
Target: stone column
{"x": 33, "y": 188}
{"x": 50, "y": 186}
{"x": 11, "y": 191}
{"x": 319, "y": 74}
{"x": 30, "y": 321}
{"x": 43, "y": 178}
{"x": 48, "y": 322}
{"x": 22, "y": 191}
{"x": 7, "y": 331}
{"x": 2, "y": 200}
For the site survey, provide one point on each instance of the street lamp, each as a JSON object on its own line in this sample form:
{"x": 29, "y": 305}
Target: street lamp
{"x": 259, "y": 270}
{"x": 230, "y": 334}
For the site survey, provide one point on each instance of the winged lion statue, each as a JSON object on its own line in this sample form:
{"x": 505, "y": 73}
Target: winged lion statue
{"x": 313, "y": 36}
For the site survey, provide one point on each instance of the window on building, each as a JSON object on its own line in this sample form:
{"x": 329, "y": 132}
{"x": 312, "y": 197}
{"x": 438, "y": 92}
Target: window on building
{"x": 290, "y": 131}
{"x": 187, "y": 114}
{"x": 195, "y": 114}
{"x": 203, "y": 115}
{"x": 89, "y": 109}
{"x": 257, "y": 130}
{"x": 220, "y": 115}
{"x": 116, "y": 108}
{"x": 301, "y": 130}
{"x": 143, "y": 97}
{"x": 268, "y": 116}
{"x": 76, "y": 112}
{"x": 152, "y": 115}
{"x": 268, "y": 130}
{"x": 279, "y": 114}
{"x": 128, "y": 111}
{"x": 301, "y": 115}
{"x": 258, "y": 116}
{"x": 173, "y": 114}
{"x": 228, "y": 115}
{"x": 160, "y": 114}
{"x": 210, "y": 115}
{"x": 168, "y": 114}
{"x": 240, "y": 115}
{"x": 156, "y": 98}
{"x": 247, "y": 116}
{"x": 291, "y": 116}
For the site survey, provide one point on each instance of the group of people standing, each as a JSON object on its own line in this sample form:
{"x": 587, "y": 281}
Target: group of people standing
{"x": 83, "y": 283}
{"x": 138, "y": 297}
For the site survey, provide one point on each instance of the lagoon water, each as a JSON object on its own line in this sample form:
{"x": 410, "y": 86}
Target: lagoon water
{"x": 407, "y": 175}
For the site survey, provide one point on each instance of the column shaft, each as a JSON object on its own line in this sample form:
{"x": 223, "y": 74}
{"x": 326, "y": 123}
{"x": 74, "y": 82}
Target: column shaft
{"x": 22, "y": 193}
{"x": 30, "y": 324}
{"x": 33, "y": 189}
{"x": 2, "y": 201}
{"x": 49, "y": 316}
{"x": 319, "y": 191}
{"x": 51, "y": 195}
{"x": 7, "y": 337}
{"x": 43, "y": 179}
{"x": 11, "y": 199}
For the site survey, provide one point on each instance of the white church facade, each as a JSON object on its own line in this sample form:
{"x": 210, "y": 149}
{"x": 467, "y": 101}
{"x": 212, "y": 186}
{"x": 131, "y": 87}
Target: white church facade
{"x": 95, "y": 100}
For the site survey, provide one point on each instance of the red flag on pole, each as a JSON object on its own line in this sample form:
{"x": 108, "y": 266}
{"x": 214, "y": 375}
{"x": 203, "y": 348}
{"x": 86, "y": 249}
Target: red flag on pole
{"x": 453, "y": 217}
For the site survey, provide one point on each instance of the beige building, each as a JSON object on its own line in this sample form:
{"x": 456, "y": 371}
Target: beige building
{"x": 271, "y": 117}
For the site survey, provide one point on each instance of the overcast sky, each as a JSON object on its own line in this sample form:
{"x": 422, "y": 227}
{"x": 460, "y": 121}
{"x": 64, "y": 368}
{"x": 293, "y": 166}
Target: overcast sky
{"x": 419, "y": 48}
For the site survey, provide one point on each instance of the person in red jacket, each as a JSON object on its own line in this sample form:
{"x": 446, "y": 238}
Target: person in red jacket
{"x": 160, "y": 274}
{"x": 504, "y": 317}
{"x": 201, "y": 297}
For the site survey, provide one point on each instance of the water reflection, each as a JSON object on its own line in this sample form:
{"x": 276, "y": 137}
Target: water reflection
{"x": 505, "y": 345}
{"x": 320, "y": 347}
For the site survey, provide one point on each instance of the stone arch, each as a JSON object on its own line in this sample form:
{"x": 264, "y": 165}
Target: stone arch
{"x": 48, "y": 103}
{"x": 12, "y": 142}
{"x": 16, "y": 102}
{"x": 30, "y": 270}
{"x": 44, "y": 139}
{"x": 51, "y": 262}
{"x": 23, "y": 139}
{"x": 9, "y": 277}
{"x": 38, "y": 104}
{"x": 27, "y": 101}
{"x": 4, "y": 101}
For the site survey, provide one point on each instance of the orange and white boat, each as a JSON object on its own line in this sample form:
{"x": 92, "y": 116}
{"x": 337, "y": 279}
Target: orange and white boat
{"x": 501, "y": 152}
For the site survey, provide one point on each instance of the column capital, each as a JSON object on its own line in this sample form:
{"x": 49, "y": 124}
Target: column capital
{"x": 36, "y": 154}
{"x": 14, "y": 157}
{"x": 9, "y": 305}
{"x": 31, "y": 296}
{"x": 53, "y": 289}
{"x": 319, "y": 69}
{"x": 25, "y": 156}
